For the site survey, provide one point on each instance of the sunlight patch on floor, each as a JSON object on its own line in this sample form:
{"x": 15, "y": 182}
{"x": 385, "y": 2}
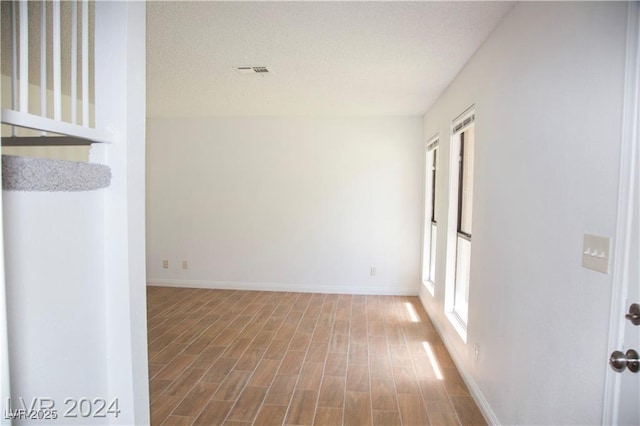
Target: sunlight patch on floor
{"x": 412, "y": 312}
{"x": 433, "y": 360}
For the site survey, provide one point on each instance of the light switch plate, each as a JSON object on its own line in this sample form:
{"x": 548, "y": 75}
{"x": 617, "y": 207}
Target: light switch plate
{"x": 595, "y": 253}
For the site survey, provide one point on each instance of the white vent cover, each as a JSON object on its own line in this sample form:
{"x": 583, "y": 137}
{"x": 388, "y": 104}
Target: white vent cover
{"x": 252, "y": 70}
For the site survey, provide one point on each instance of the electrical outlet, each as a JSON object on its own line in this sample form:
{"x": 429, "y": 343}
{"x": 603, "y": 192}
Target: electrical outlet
{"x": 165, "y": 264}
{"x": 476, "y": 351}
{"x": 185, "y": 264}
{"x": 373, "y": 271}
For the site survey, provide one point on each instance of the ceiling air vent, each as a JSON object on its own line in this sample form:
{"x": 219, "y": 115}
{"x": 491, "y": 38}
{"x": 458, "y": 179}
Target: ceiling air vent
{"x": 252, "y": 70}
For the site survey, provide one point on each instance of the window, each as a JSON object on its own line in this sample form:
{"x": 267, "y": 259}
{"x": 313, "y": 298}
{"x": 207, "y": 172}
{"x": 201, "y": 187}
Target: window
{"x": 430, "y": 222}
{"x": 462, "y": 159}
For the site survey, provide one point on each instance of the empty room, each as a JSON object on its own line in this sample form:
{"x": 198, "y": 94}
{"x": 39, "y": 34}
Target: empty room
{"x": 320, "y": 213}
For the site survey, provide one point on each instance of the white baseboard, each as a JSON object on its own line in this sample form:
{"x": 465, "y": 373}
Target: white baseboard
{"x": 297, "y": 288}
{"x": 476, "y": 393}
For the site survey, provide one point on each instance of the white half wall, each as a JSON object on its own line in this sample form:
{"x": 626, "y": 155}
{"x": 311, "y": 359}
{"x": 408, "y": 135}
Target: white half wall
{"x": 547, "y": 87}
{"x": 285, "y": 203}
{"x": 55, "y": 298}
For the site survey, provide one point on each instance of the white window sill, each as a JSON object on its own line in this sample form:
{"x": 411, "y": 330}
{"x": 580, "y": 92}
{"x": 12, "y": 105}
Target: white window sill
{"x": 458, "y": 325}
{"x": 430, "y": 286}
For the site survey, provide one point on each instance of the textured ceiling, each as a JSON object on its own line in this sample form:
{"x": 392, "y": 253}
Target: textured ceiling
{"x": 326, "y": 58}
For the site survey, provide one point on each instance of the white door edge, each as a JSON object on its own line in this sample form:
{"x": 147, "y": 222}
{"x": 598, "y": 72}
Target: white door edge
{"x": 623, "y": 237}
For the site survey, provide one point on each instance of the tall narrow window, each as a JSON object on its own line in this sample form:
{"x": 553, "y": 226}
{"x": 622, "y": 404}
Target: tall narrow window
{"x": 430, "y": 222}
{"x": 462, "y": 150}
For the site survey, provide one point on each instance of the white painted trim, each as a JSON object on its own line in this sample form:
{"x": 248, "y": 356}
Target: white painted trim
{"x": 24, "y": 56}
{"x": 57, "y": 63}
{"x": 288, "y": 287}
{"x": 477, "y": 395}
{"x": 36, "y": 122}
{"x": 622, "y": 240}
{"x": 43, "y": 59}
{"x": 85, "y": 63}
{"x": 14, "y": 61}
{"x": 74, "y": 62}
{"x": 119, "y": 42}
{"x": 469, "y": 112}
{"x": 430, "y": 286}
{"x": 451, "y": 253}
{"x": 458, "y": 325}
{"x": 432, "y": 144}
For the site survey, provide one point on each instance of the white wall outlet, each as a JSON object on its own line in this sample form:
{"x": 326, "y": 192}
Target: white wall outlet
{"x": 476, "y": 351}
{"x": 185, "y": 264}
{"x": 595, "y": 253}
{"x": 372, "y": 272}
{"x": 165, "y": 264}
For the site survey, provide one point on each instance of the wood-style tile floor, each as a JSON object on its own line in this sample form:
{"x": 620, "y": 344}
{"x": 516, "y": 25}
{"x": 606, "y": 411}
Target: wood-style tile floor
{"x": 267, "y": 358}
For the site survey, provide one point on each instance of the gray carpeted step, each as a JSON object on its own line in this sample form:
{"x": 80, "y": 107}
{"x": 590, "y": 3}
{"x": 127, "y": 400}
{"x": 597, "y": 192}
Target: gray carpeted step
{"x": 42, "y": 174}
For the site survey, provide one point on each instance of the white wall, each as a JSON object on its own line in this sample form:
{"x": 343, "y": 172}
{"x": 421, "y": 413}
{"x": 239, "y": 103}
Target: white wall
{"x": 547, "y": 86}
{"x": 299, "y": 204}
{"x": 55, "y": 297}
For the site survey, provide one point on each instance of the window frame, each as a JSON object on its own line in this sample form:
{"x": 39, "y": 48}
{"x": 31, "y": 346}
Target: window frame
{"x": 456, "y": 234}
{"x": 429, "y": 242}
